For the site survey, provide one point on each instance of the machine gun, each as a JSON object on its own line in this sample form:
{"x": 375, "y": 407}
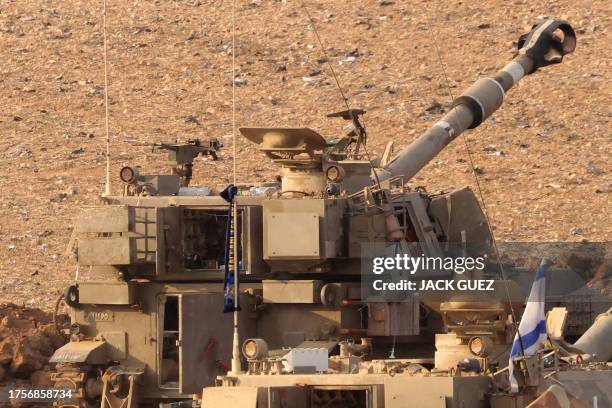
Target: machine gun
{"x": 183, "y": 155}
{"x": 356, "y": 134}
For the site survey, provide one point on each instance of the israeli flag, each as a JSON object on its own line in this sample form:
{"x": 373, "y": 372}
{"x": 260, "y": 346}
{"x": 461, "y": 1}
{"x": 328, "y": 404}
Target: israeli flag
{"x": 532, "y": 328}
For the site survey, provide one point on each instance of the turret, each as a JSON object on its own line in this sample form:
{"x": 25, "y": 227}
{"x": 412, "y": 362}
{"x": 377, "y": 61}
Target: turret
{"x": 547, "y": 43}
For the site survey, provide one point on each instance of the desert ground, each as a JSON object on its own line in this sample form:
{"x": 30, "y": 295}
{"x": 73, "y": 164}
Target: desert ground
{"x": 543, "y": 159}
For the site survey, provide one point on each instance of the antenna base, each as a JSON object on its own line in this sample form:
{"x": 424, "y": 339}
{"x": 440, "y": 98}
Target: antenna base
{"x": 236, "y": 363}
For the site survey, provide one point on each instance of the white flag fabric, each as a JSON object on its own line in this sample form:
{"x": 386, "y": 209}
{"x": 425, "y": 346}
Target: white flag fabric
{"x": 532, "y": 328}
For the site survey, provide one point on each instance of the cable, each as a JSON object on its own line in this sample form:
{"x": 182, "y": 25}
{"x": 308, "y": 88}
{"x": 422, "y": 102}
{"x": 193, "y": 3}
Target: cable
{"x": 344, "y": 98}
{"x": 55, "y": 315}
{"x": 331, "y": 68}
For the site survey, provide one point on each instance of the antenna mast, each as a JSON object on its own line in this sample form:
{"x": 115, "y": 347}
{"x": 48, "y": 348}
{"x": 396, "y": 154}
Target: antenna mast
{"x": 107, "y": 189}
{"x": 236, "y": 364}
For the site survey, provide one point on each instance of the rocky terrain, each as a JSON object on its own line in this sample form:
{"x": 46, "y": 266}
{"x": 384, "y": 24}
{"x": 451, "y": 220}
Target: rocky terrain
{"x": 28, "y": 338}
{"x": 543, "y": 160}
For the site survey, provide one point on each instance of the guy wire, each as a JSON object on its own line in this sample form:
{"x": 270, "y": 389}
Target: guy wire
{"x": 344, "y": 98}
{"x": 331, "y": 68}
{"x": 482, "y": 198}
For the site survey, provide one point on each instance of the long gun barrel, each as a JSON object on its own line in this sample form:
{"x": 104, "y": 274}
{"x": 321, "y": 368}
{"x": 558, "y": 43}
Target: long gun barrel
{"x": 547, "y": 43}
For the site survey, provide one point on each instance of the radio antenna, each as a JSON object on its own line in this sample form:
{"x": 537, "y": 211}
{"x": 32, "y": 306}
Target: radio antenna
{"x": 236, "y": 364}
{"x": 345, "y": 99}
{"x": 107, "y": 189}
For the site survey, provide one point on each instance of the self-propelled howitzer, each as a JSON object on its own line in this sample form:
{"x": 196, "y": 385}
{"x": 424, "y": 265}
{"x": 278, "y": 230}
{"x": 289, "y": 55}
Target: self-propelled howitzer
{"x": 150, "y": 328}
